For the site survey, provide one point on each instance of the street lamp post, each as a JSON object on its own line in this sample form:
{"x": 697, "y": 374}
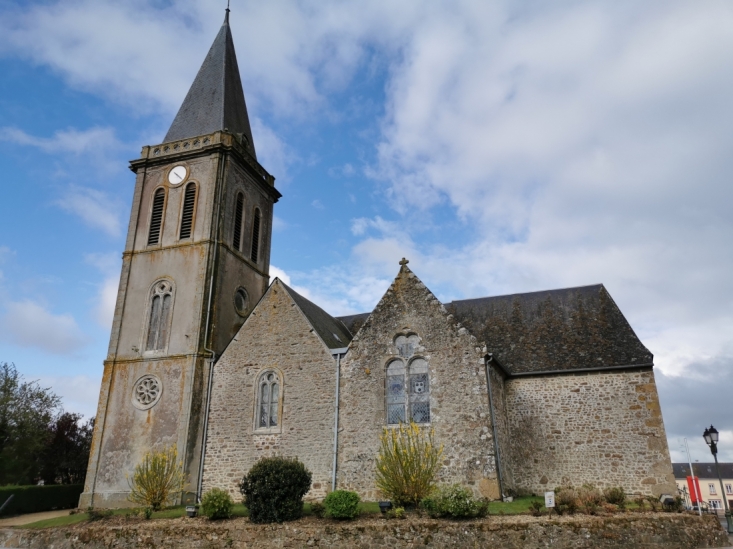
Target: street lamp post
{"x": 711, "y": 438}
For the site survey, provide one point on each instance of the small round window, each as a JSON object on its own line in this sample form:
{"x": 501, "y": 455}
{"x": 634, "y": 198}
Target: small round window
{"x": 241, "y": 302}
{"x": 146, "y": 392}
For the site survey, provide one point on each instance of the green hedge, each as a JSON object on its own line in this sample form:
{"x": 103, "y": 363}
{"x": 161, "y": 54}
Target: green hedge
{"x": 35, "y": 499}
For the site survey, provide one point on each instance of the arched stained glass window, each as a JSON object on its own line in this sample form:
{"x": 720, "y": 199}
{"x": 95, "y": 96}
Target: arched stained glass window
{"x": 396, "y": 392}
{"x": 268, "y": 397}
{"x": 408, "y": 384}
{"x": 159, "y": 320}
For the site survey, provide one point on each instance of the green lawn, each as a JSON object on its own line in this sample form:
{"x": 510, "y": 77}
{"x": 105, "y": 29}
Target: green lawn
{"x": 518, "y": 506}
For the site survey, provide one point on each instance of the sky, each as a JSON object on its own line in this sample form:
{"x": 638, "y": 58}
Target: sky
{"x": 502, "y": 147}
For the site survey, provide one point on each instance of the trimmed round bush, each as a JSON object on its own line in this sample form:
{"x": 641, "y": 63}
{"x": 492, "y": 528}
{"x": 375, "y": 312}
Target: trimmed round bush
{"x": 273, "y": 489}
{"x": 455, "y": 501}
{"x": 342, "y": 504}
{"x": 216, "y": 504}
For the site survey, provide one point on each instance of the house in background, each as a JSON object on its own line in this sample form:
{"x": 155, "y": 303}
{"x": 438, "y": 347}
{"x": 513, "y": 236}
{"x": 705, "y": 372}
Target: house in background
{"x": 708, "y": 481}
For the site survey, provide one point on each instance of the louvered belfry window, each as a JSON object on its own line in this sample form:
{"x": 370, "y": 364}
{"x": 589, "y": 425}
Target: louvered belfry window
{"x": 238, "y": 212}
{"x": 156, "y": 217}
{"x": 159, "y": 321}
{"x": 256, "y": 237}
{"x": 189, "y": 204}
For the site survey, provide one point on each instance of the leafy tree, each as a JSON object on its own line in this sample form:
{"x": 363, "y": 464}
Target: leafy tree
{"x": 26, "y": 411}
{"x": 67, "y": 451}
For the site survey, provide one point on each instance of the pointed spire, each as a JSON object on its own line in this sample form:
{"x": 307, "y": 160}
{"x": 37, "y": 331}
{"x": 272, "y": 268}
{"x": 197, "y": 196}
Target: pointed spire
{"x": 216, "y": 98}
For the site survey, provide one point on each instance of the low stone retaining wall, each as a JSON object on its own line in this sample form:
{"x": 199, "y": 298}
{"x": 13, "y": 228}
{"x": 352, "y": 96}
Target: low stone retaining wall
{"x": 659, "y": 530}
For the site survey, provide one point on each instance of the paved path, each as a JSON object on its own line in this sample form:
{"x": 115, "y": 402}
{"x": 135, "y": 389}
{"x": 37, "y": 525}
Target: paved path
{"x": 31, "y": 517}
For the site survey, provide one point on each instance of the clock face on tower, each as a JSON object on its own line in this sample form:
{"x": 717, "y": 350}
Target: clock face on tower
{"x": 177, "y": 175}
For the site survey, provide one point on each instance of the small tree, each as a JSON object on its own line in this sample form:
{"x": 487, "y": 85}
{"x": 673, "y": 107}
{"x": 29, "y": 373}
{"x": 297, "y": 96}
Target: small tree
{"x": 156, "y": 479}
{"x": 407, "y": 463}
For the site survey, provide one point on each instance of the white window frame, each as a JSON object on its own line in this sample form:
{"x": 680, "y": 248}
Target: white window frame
{"x": 716, "y": 504}
{"x": 729, "y": 489}
{"x": 258, "y": 402}
{"x": 712, "y": 490}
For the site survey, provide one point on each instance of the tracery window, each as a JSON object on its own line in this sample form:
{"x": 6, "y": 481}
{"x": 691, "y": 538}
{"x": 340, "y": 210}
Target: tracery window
{"x": 161, "y": 303}
{"x": 268, "y": 400}
{"x": 408, "y": 384}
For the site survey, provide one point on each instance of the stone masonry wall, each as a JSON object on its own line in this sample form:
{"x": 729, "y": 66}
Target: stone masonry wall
{"x": 501, "y": 421}
{"x": 458, "y": 396}
{"x": 603, "y": 428}
{"x": 276, "y": 335}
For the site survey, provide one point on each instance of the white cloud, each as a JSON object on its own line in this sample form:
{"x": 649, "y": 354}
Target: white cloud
{"x": 71, "y": 140}
{"x": 94, "y": 207}
{"x": 29, "y": 324}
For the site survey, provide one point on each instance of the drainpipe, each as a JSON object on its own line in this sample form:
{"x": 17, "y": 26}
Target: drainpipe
{"x": 337, "y": 353}
{"x": 220, "y": 177}
{"x": 487, "y": 359}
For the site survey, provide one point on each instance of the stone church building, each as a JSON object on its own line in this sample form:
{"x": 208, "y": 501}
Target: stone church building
{"x": 526, "y": 392}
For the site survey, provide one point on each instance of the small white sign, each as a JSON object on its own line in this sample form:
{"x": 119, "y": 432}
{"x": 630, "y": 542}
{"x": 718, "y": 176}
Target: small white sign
{"x": 549, "y": 499}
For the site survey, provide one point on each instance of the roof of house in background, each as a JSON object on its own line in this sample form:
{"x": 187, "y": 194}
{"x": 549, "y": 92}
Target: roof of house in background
{"x": 215, "y": 100}
{"x": 703, "y": 470}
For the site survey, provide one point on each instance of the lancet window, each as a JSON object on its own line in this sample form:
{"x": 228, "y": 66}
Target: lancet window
{"x": 161, "y": 303}
{"x": 268, "y": 400}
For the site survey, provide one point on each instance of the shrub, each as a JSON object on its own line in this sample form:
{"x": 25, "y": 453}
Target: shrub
{"x": 98, "y": 514}
{"x": 615, "y": 496}
{"x": 566, "y": 500}
{"x": 342, "y": 504}
{"x": 590, "y": 499}
{"x": 455, "y": 501}
{"x": 407, "y": 463}
{"x": 536, "y": 508}
{"x": 156, "y": 479}
{"x": 318, "y": 509}
{"x": 217, "y": 504}
{"x": 273, "y": 489}
{"x": 654, "y": 503}
{"x": 34, "y": 499}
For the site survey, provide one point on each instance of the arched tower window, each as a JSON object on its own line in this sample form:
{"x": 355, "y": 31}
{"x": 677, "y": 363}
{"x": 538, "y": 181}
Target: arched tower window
{"x": 238, "y": 213}
{"x": 408, "y": 384}
{"x": 156, "y": 217}
{"x": 189, "y": 205}
{"x": 161, "y": 303}
{"x": 256, "y": 236}
{"x": 268, "y": 400}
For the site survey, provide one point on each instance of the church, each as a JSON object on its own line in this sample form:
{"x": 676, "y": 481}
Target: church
{"x": 526, "y": 392}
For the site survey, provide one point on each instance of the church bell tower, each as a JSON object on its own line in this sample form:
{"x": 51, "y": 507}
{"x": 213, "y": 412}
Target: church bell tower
{"x": 196, "y": 261}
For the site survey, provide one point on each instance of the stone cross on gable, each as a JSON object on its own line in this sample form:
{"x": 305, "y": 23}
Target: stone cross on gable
{"x": 404, "y": 262}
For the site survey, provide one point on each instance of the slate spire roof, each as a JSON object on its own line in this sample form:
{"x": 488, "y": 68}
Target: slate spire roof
{"x": 216, "y": 98}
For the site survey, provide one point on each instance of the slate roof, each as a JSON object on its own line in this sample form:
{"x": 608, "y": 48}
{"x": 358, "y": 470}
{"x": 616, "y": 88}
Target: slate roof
{"x": 331, "y": 330}
{"x": 216, "y": 99}
{"x": 539, "y": 332}
{"x": 703, "y": 470}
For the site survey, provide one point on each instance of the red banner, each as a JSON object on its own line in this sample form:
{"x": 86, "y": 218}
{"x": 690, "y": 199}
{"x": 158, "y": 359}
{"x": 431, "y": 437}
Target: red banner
{"x": 693, "y": 484}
